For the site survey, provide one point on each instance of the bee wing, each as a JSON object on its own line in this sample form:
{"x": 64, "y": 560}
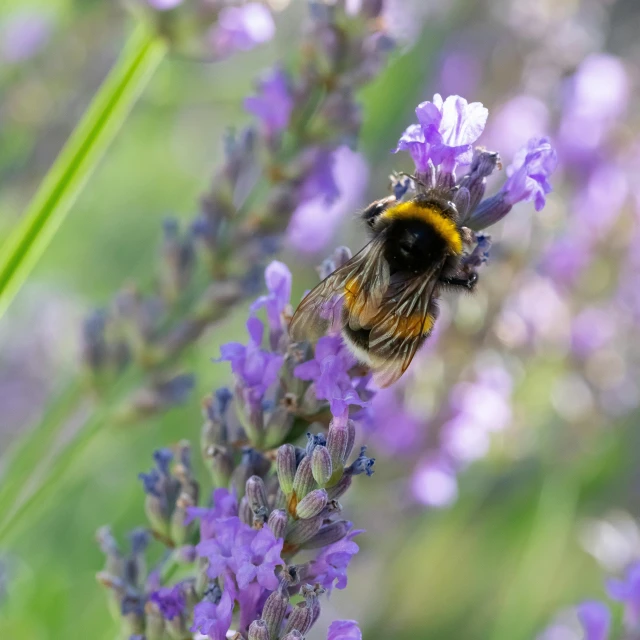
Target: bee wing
{"x": 402, "y": 324}
{"x": 363, "y": 281}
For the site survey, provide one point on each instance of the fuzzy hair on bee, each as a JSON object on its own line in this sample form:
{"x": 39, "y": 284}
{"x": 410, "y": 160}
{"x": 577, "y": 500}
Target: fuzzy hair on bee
{"x": 385, "y": 299}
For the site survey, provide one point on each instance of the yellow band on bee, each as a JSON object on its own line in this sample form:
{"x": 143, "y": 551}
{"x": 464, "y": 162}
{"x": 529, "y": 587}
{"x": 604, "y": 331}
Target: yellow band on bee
{"x": 412, "y": 326}
{"x": 444, "y": 227}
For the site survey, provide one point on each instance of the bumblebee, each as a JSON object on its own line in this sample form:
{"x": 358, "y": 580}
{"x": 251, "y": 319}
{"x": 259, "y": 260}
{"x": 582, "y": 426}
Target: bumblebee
{"x": 384, "y": 299}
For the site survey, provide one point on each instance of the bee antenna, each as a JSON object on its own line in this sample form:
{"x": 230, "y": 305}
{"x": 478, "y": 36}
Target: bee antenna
{"x": 410, "y": 175}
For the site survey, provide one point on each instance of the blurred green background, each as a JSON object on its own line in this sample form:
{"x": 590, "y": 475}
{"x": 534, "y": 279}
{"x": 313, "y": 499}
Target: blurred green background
{"x": 502, "y": 560}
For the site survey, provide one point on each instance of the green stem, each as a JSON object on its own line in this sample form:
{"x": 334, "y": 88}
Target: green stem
{"x": 77, "y": 161}
{"x": 32, "y": 448}
{"x": 43, "y": 483}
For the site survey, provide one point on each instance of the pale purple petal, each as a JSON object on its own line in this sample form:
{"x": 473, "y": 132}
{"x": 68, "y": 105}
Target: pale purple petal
{"x": 595, "y": 619}
{"x": 344, "y": 630}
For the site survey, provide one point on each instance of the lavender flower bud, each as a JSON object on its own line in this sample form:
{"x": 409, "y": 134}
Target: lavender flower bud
{"x": 305, "y": 613}
{"x": 219, "y": 461}
{"x": 257, "y": 494}
{"x": 109, "y": 546}
{"x": 328, "y": 535}
{"x": 340, "y": 488}
{"x": 280, "y": 421}
{"x": 300, "y": 619}
{"x": 339, "y": 257}
{"x": 180, "y": 531}
{"x": 275, "y": 609}
{"x": 259, "y": 630}
{"x": 337, "y": 441}
{"x": 277, "y": 522}
{"x": 303, "y": 530}
{"x": 245, "y": 512}
{"x": 253, "y": 463}
{"x": 292, "y": 635}
{"x": 155, "y": 624}
{"x": 321, "y": 465}
{"x": 312, "y": 504}
{"x": 303, "y": 481}
{"x": 286, "y": 467}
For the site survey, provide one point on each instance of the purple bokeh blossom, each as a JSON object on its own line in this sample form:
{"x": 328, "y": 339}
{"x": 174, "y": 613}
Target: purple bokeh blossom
{"x": 329, "y": 371}
{"x": 241, "y": 29}
{"x": 627, "y": 591}
{"x": 315, "y": 221}
{"x": 273, "y": 104}
{"x": 344, "y": 630}
{"x": 595, "y": 619}
{"x": 434, "y": 482}
{"x": 164, "y": 5}
{"x": 23, "y": 34}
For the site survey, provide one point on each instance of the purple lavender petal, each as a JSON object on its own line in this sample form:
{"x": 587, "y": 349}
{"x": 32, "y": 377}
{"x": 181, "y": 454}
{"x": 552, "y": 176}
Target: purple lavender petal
{"x": 595, "y": 619}
{"x": 344, "y": 630}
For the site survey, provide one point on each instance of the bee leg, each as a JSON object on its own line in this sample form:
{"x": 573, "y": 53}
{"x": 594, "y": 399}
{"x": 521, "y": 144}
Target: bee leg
{"x": 468, "y": 282}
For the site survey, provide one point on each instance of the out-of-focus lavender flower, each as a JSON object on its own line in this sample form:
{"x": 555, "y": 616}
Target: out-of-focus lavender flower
{"x": 394, "y": 428}
{"x": 600, "y": 199}
{"x": 164, "y": 5}
{"x": 329, "y": 371}
{"x": 330, "y": 567}
{"x": 278, "y": 301}
{"x": 170, "y": 600}
{"x": 480, "y": 408}
{"x": 627, "y": 591}
{"x": 315, "y": 221}
{"x": 536, "y": 313}
{"x": 597, "y": 96}
{"x": 446, "y": 132}
{"x": 23, "y": 34}
{"x": 344, "y": 630}
{"x": 254, "y": 367}
{"x": 241, "y": 28}
{"x": 460, "y": 72}
{"x": 434, "y": 482}
{"x": 515, "y": 122}
{"x": 567, "y": 257}
{"x": 213, "y": 619}
{"x": 273, "y": 104}
{"x": 595, "y": 619}
{"x": 592, "y": 329}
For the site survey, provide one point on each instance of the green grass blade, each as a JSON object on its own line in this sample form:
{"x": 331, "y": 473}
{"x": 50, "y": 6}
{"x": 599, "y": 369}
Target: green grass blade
{"x": 77, "y": 160}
